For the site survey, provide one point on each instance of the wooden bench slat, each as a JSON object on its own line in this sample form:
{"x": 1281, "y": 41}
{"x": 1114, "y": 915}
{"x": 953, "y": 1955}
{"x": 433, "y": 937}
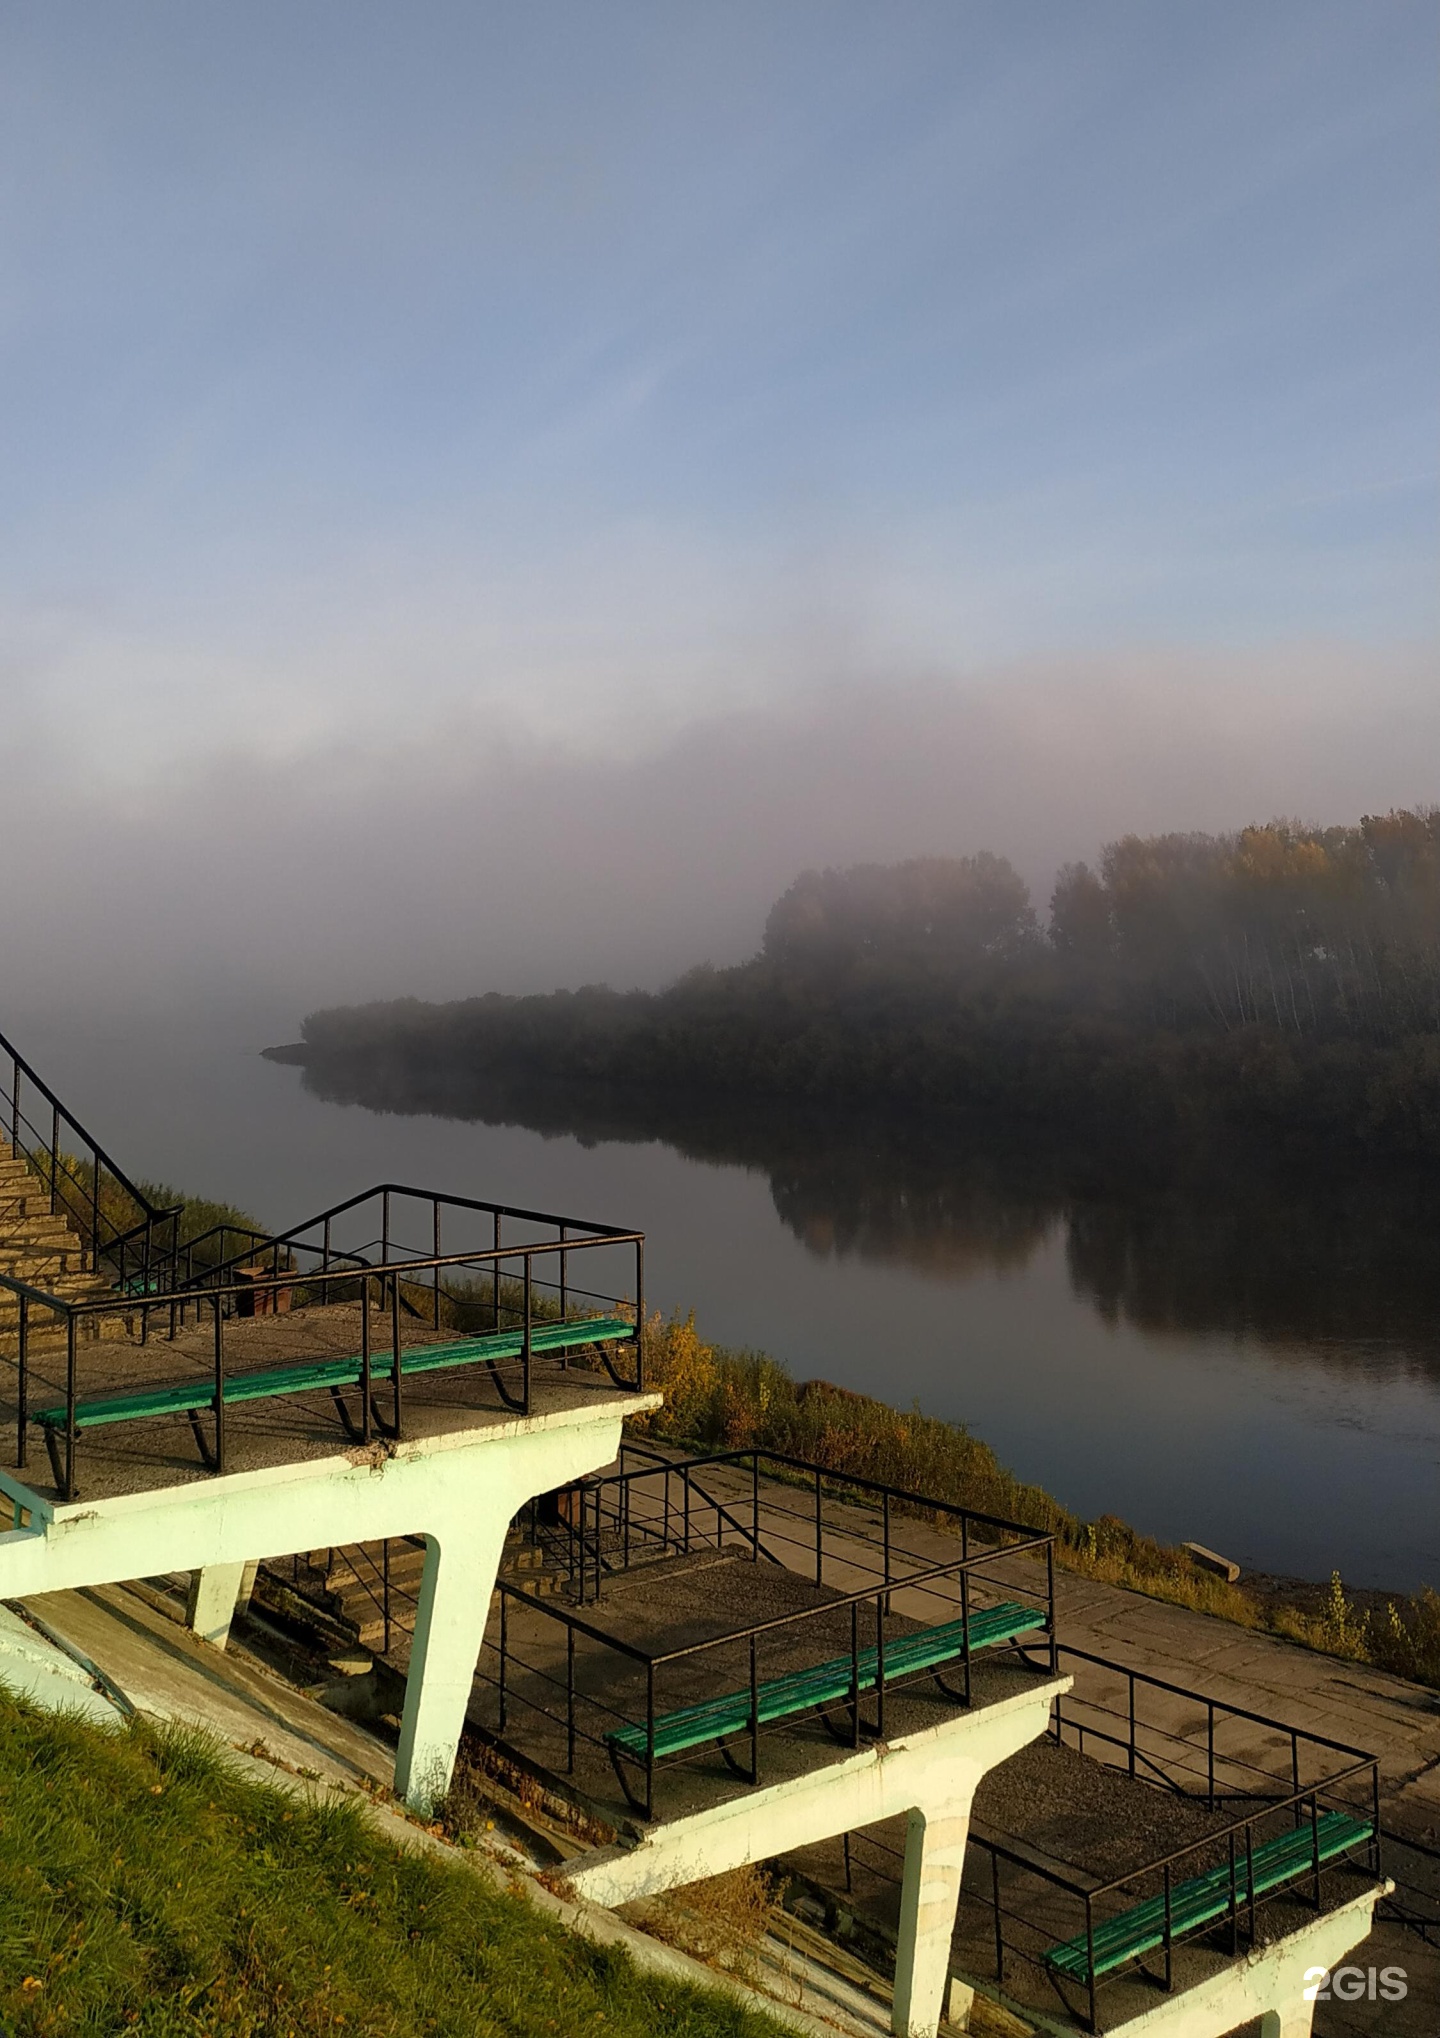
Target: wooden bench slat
{"x": 1206, "y": 1898}
{"x": 824, "y": 1684}
{"x": 308, "y": 1375}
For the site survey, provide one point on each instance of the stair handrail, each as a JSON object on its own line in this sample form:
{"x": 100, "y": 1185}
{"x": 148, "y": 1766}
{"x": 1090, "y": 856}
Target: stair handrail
{"x": 140, "y": 1235}
{"x": 586, "y": 1229}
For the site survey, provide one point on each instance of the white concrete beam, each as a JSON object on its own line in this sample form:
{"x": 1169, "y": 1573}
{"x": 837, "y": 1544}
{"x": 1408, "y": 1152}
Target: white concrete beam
{"x": 460, "y": 1491}
{"x": 455, "y": 1588}
{"x": 929, "y": 1896}
{"x": 931, "y": 1775}
{"x": 935, "y": 1769}
{"x": 1268, "y": 1983}
{"x": 217, "y": 1593}
{"x": 210, "y": 1604}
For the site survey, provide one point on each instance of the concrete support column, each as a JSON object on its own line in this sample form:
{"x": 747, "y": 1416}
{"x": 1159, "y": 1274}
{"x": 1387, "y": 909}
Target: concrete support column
{"x": 934, "y": 1861}
{"x": 214, "y": 1595}
{"x": 455, "y": 1591}
{"x": 1295, "y": 2020}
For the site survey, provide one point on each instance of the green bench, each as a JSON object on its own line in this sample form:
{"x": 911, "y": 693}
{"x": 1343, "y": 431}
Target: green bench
{"x": 336, "y": 1375}
{"x": 1206, "y": 1899}
{"x": 827, "y": 1683}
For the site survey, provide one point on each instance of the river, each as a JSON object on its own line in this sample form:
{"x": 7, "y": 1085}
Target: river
{"x": 1213, "y": 1345}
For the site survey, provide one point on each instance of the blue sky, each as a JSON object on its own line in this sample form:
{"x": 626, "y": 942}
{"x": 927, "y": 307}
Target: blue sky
{"x": 573, "y": 375}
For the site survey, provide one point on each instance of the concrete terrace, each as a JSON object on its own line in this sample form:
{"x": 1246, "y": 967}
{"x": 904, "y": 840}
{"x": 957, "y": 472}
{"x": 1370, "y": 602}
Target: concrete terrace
{"x": 160, "y": 1452}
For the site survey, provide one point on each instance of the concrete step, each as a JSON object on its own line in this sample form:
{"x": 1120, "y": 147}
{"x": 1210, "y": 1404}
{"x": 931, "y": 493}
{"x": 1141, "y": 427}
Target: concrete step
{"x": 26, "y": 1263}
{"x": 37, "y": 1227}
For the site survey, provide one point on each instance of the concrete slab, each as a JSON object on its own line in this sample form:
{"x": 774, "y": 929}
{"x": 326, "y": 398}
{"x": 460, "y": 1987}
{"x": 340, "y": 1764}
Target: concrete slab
{"x": 147, "y": 1456}
{"x": 169, "y": 1674}
{"x": 33, "y": 1668}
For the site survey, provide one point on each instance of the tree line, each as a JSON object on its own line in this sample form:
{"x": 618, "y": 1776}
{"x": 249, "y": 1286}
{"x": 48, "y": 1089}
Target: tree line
{"x": 1283, "y": 976}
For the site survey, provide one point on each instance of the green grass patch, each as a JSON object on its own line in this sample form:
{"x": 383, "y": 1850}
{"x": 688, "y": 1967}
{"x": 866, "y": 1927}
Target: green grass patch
{"x": 146, "y": 1886}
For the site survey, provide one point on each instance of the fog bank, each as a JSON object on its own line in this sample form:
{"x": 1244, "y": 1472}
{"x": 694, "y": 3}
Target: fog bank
{"x": 449, "y": 858}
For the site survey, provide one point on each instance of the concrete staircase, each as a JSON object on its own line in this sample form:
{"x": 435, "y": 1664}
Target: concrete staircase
{"x": 45, "y": 1251}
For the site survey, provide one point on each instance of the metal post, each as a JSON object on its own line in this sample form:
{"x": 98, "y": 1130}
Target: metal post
{"x": 885, "y": 1511}
{"x": 755, "y": 1506}
{"x": 855, "y": 1673}
{"x": 385, "y": 1579}
{"x": 1131, "y": 1675}
{"x": 845, "y": 1849}
{"x": 22, "y": 1405}
{"x": 564, "y": 1294}
{"x": 1169, "y": 1935}
{"x": 650, "y": 1738}
{"x": 219, "y": 1386}
{"x": 754, "y": 1717}
{"x": 504, "y": 1612}
{"x": 437, "y": 1261}
{"x": 999, "y": 1925}
{"x": 385, "y": 1228}
{"x": 54, "y": 1156}
{"x": 69, "y": 1404}
{"x": 569, "y": 1699}
{"x": 880, "y": 1665}
{"x": 1094, "y": 2024}
{"x": 1210, "y": 1756}
{"x": 640, "y": 1313}
{"x": 1234, "y": 1900}
{"x": 965, "y": 1627}
{"x": 365, "y": 1358}
{"x": 685, "y": 1485}
{"x": 495, "y": 1276}
{"x": 395, "y": 1372}
{"x": 1050, "y": 1598}
{"x": 525, "y": 1352}
{"x": 1250, "y": 1874}
{"x": 819, "y": 1561}
{"x": 1295, "y": 1776}
{"x": 1315, "y": 1846}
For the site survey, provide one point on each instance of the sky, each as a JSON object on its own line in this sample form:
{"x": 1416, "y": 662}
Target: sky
{"x": 488, "y": 493}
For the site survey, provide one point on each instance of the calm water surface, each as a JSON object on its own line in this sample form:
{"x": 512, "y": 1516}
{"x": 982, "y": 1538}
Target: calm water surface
{"x": 1214, "y": 1347}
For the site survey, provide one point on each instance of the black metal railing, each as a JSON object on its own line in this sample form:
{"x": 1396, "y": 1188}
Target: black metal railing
{"x": 121, "y": 1231}
{"x": 1260, "y": 1776}
{"x": 518, "y": 1285}
{"x": 596, "y": 1683}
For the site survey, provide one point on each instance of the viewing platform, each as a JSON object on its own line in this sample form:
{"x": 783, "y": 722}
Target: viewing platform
{"x": 404, "y": 1365}
{"x": 409, "y": 1411}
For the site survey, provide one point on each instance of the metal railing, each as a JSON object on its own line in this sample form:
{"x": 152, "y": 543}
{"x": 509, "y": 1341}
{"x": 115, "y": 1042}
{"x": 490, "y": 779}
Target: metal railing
{"x": 1265, "y": 1781}
{"x": 119, "y": 1227}
{"x": 518, "y": 1285}
{"x": 610, "y": 1684}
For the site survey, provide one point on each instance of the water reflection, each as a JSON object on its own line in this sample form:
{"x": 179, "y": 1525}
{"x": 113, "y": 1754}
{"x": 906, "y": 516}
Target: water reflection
{"x": 1335, "y": 1262}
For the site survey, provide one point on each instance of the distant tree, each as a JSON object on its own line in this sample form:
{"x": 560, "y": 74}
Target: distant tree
{"x": 1080, "y": 922}
{"x": 933, "y": 915}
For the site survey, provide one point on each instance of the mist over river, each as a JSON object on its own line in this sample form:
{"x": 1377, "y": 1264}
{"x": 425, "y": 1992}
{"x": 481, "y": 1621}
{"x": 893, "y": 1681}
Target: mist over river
{"x": 1220, "y": 1345}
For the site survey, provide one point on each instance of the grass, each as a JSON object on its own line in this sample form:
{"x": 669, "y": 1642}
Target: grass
{"x": 146, "y": 1886}
{"x": 725, "y": 1400}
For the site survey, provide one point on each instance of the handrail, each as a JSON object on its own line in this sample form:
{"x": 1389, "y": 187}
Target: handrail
{"x": 386, "y": 1276}
{"x": 7, "y": 1046}
{"x": 80, "y": 1200}
{"x": 1239, "y": 1712}
{"x": 263, "y": 1241}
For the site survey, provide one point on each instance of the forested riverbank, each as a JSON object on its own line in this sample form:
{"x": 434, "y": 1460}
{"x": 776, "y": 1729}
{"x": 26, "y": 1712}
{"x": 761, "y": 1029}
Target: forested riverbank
{"x": 1282, "y": 978}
